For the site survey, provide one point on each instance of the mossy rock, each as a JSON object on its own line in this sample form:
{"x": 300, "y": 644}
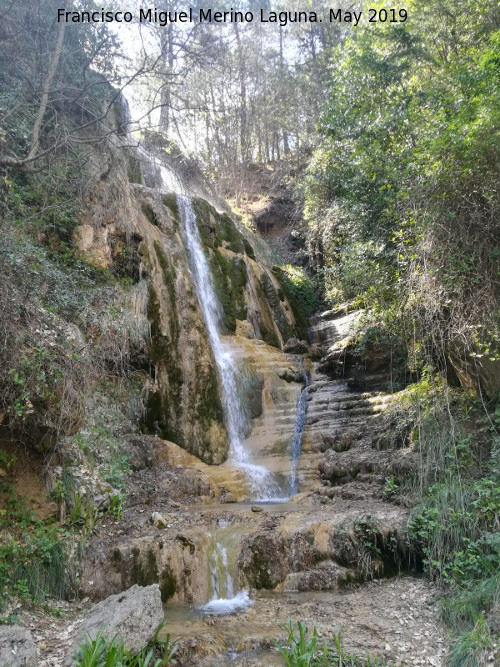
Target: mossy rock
{"x": 170, "y": 201}
{"x": 301, "y": 323}
{"x": 144, "y": 569}
{"x": 274, "y": 302}
{"x": 150, "y": 214}
{"x": 168, "y": 584}
{"x": 266, "y": 320}
{"x": 230, "y": 278}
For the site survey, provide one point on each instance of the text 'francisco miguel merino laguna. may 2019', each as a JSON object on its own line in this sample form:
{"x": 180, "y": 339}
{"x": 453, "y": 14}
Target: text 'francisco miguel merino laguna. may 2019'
{"x": 190, "y": 15}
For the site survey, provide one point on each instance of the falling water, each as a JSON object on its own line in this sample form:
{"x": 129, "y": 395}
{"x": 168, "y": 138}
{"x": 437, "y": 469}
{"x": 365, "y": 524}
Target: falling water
{"x": 300, "y": 421}
{"x": 220, "y": 577}
{"x": 264, "y": 486}
{"x": 223, "y": 598}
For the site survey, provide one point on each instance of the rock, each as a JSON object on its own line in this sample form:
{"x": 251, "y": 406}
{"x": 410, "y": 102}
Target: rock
{"x": 294, "y": 346}
{"x": 493, "y": 619}
{"x": 157, "y": 520}
{"x": 256, "y": 508}
{"x": 244, "y": 328}
{"x": 267, "y": 556}
{"x": 133, "y": 616}
{"x": 175, "y": 505}
{"x": 17, "y": 647}
{"x": 3, "y": 474}
{"x": 291, "y": 374}
{"x": 226, "y": 496}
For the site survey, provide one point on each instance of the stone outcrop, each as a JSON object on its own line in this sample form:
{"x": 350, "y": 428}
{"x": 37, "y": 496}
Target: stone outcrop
{"x": 17, "y": 648}
{"x": 136, "y": 230}
{"x": 132, "y": 616}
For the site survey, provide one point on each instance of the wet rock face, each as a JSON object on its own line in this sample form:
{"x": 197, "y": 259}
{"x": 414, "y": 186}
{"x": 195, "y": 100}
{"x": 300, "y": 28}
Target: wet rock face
{"x": 252, "y": 299}
{"x": 184, "y": 404}
{"x": 267, "y": 557}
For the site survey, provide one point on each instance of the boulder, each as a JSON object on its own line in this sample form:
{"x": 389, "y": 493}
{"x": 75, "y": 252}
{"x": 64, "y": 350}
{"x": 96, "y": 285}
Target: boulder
{"x": 133, "y": 616}
{"x": 225, "y": 496}
{"x": 17, "y": 647}
{"x": 291, "y": 374}
{"x": 294, "y": 346}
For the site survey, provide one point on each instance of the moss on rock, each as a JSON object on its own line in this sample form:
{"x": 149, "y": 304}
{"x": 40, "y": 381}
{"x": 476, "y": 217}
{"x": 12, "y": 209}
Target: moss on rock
{"x": 168, "y": 584}
{"x": 301, "y": 324}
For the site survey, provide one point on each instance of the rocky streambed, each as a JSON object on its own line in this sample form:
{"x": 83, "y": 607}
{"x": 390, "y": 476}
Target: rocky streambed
{"x": 335, "y": 554}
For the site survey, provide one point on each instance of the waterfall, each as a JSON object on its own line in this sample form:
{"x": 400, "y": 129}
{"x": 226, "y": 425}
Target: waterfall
{"x": 264, "y": 486}
{"x": 223, "y": 600}
{"x": 300, "y": 421}
{"x": 220, "y": 577}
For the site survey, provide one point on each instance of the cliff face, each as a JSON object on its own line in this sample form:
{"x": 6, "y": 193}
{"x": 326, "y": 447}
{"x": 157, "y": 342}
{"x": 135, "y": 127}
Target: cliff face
{"x": 136, "y": 230}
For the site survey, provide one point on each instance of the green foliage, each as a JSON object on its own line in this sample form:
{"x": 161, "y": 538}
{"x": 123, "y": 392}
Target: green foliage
{"x": 303, "y": 649}
{"x": 34, "y": 562}
{"x": 401, "y": 195}
{"x": 103, "y": 652}
{"x": 390, "y": 487}
{"x": 470, "y": 648}
{"x": 455, "y": 523}
{"x": 301, "y": 287}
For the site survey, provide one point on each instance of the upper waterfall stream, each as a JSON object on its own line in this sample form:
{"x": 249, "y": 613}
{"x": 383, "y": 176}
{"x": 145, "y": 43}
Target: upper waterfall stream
{"x": 263, "y": 483}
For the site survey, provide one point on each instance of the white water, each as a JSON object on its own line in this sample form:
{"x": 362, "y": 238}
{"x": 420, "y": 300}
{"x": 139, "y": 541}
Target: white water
{"x": 238, "y": 603}
{"x": 264, "y": 486}
{"x": 300, "y": 421}
{"x": 218, "y": 564}
{"x": 224, "y": 600}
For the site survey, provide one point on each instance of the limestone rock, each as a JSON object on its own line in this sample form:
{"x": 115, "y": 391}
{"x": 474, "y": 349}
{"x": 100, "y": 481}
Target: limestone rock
{"x": 244, "y": 328}
{"x": 133, "y": 616}
{"x": 158, "y": 520}
{"x": 291, "y": 374}
{"x": 226, "y": 496}
{"x": 294, "y": 346}
{"x": 17, "y": 647}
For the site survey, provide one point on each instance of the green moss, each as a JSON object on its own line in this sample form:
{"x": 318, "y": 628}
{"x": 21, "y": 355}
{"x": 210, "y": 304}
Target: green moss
{"x": 267, "y": 332}
{"x": 203, "y": 210}
{"x": 148, "y": 211}
{"x": 248, "y": 249}
{"x": 144, "y": 571}
{"x": 163, "y": 408}
{"x": 230, "y": 279}
{"x": 228, "y": 235}
{"x": 275, "y": 304}
{"x": 301, "y": 323}
{"x": 170, "y": 202}
{"x": 168, "y": 584}
{"x": 209, "y": 404}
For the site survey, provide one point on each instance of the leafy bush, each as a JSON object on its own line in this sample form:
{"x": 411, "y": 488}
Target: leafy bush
{"x": 34, "y": 563}
{"x": 300, "y": 287}
{"x": 455, "y": 524}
